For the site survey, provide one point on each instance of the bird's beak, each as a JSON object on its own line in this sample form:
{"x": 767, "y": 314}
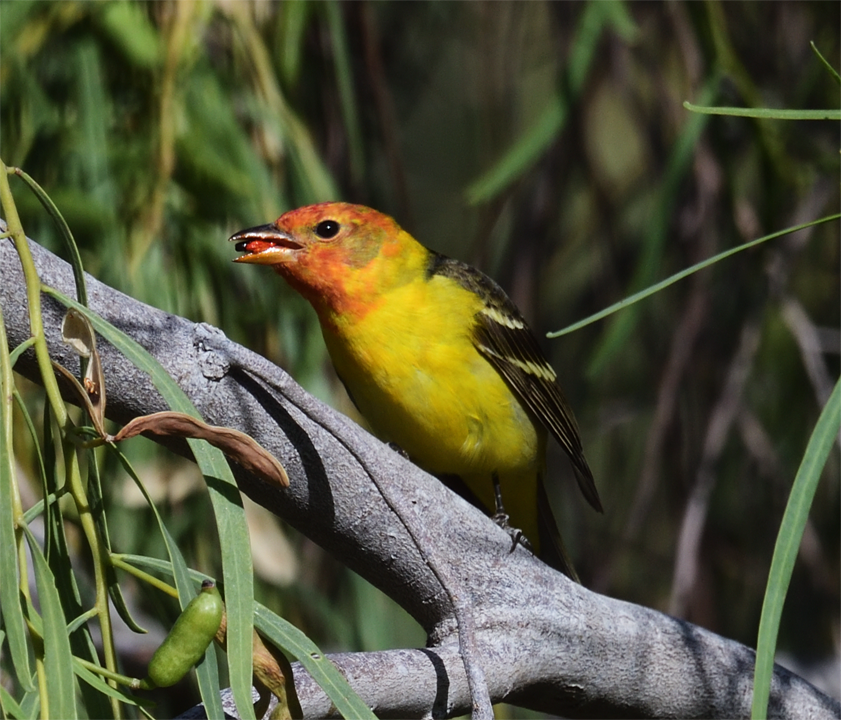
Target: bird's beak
{"x": 264, "y": 245}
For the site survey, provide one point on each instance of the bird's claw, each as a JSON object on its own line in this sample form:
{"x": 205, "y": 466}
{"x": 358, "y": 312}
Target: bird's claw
{"x": 399, "y": 450}
{"x": 517, "y": 536}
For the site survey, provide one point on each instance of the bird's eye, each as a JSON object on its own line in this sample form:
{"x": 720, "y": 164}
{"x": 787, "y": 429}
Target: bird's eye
{"x": 327, "y": 229}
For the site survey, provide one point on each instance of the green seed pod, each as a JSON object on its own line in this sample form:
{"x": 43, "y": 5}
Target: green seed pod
{"x": 189, "y": 638}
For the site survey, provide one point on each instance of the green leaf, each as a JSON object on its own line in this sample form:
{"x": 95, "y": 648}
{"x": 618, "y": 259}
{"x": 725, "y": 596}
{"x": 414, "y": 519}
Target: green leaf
{"x": 207, "y": 673}
{"x": 58, "y": 659}
{"x": 129, "y": 27}
{"x": 12, "y": 612}
{"x": 238, "y": 576}
{"x": 64, "y": 231}
{"x": 8, "y": 704}
{"x": 657, "y": 287}
{"x": 832, "y": 71}
{"x": 788, "y": 544}
{"x": 766, "y": 113}
{"x": 290, "y": 639}
{"x": 98, "y": 510}
{"x": 58, "y": 557}
{"x": 31, "y": 704}
{"x": 20, "y": 350}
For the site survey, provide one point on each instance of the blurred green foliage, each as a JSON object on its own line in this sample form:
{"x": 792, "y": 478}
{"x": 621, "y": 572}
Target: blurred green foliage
{"x": 545, "y": 142}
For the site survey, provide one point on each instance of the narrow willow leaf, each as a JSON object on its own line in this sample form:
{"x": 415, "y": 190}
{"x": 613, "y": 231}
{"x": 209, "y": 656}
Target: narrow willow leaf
{"x": 98, "y": 510}
{"x": 31, "y": 704}
{"x": 20, "y": 350}
{"x": 206, "y": 672}
{"x": 787, "y": 546}
{"x": 64, "y": 231}
{"x": 8, "y": 705}
{"x": 13, "y": 619}
{"x": 58, "y": 659}
{"x": 290, "y": 639}
{"x": 58, "y": 557}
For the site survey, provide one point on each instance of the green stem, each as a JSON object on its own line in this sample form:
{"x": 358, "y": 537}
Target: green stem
{"x": 100, "y": 560}
{"x": 115, "y": 677}
{"x": 33, "y": 296}
{"x": 42, "y": 681}
{"x": 118, "y": 562}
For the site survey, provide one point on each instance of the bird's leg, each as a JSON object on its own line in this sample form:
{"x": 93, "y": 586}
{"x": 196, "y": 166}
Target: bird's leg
{"x": 500, "y": 517}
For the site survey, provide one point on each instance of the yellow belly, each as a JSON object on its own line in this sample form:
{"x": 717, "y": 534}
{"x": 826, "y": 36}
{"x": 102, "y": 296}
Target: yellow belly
{"x": 420, "y": 383}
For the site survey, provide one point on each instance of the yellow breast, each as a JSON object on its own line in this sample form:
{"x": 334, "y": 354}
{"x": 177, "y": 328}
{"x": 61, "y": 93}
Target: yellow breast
{"x": 413, "y": 372}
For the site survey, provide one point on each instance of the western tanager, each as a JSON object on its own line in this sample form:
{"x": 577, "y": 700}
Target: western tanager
{"x": 434, "y": 355}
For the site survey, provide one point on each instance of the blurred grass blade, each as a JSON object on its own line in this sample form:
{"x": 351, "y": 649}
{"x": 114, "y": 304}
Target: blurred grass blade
{"x": 680, "y": 159}
{"x": 766, "y": 113}
{"x": 344, "y": 81}
{"x": 290, "y": 639}
{"x": 58, "y": 660}
{"x": 597, "y": 15}
{"x": 522, "y": 155}
{"x": 238, "y": 576}
{"x": 13, "y": 620}
{"x": 94, "y": 107}
{"x": 832, "y": 70}
{"x": 788, "y": 544}
{"x": 128, "y": 26}
{"x": 657, "y": 287}
{"x": 292, "y": 21}
{"x": 526, "y": 149}
{"x": 313, "y": 178}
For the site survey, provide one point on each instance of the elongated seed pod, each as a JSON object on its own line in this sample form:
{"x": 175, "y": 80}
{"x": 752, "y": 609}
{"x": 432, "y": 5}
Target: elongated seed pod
{"x": 189, "y": 638}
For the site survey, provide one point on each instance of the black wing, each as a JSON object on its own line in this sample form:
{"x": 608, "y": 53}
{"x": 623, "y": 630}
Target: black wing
{"x": 505, "y": 339}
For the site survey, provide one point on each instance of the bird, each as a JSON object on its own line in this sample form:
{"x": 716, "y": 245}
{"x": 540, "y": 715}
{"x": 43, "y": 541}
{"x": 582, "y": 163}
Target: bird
{"x": 436, "y": 358}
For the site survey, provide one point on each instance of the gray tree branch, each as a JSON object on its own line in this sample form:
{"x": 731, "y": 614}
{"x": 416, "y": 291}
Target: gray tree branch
{"x": 542, "y": 641}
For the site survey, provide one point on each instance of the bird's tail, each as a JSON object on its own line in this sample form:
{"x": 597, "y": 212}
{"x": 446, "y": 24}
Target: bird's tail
{"x": 552, "y": 549}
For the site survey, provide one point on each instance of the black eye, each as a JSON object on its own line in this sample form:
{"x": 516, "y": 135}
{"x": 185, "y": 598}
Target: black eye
{"x": 327, "y": 229}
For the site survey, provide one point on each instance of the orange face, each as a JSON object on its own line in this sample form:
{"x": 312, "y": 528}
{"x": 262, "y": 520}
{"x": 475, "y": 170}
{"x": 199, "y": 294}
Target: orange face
{"x": 326, "y": 252}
